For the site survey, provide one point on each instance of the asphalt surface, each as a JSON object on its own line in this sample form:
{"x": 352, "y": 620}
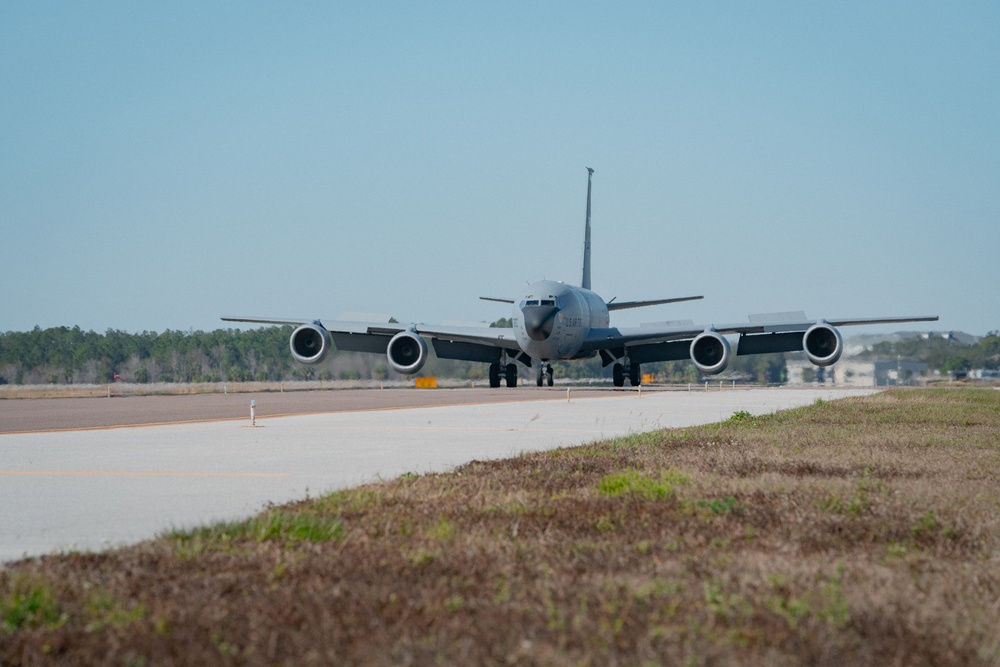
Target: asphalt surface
{"x": 92, "y": 488}
{"x": 55, "y": 414}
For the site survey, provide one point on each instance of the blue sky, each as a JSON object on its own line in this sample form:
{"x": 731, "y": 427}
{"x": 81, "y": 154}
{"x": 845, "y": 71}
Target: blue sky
{"x": 164, "y": 164}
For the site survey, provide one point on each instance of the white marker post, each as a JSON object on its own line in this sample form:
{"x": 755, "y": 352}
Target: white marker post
{"x": 253, "y": 413}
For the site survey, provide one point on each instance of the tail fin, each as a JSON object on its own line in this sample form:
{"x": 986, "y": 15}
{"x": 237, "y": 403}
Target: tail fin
{"x": 585, "y": 283}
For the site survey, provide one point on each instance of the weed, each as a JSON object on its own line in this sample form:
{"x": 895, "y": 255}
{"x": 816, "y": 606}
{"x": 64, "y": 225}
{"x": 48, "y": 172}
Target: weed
{"x": 834, "y": 608}
{"x": 421, "y": 557}
{"x": 740, "y": 417}
{"x": 925, "y": 524}
{"x": 103, "y": 612}
{"x": 348, "y": 500}
{"x": 720, "y": 506}
{"x": 895, "y": 550}
{"x": 791, "y": 609}
{"x": 442, "y": 531}
{"x": 225, "y": 649}
{"x": 647, "y": 486}
{"x": 292, "y": 527}
{"x": 29, "y": 604}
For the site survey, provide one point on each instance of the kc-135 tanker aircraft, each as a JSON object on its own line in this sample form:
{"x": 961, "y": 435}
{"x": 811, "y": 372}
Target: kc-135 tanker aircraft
{"x": 554, "y": 321}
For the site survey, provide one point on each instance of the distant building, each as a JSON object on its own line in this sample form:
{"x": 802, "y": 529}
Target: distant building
{"x": 885, "y": 373}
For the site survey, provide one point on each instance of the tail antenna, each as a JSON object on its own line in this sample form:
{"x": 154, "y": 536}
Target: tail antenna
{"x": 585, "y": 283}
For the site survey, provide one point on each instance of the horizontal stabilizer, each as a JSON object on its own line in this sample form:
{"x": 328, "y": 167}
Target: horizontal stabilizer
{"x": 622, "y": 305}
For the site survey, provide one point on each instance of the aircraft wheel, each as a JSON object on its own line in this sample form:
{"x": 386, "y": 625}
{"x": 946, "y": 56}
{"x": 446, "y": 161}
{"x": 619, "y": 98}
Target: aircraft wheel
{"x": 546, "y": 375}
{"x": 618, "y": 375}
{"x": 494, "y": 375}
{"x": 634, "y": 375}
{"x": 511, "y": 373}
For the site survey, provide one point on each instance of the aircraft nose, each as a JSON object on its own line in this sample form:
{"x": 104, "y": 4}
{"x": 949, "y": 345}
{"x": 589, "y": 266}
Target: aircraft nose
{"x": 539, "y": 320}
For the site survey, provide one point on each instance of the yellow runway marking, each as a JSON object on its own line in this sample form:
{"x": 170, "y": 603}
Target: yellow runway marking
{"x": 122, "y": 473}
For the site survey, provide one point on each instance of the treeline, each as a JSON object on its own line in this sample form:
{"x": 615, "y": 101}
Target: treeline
{"x": 941, "y": 354}
{"x": 64, "y": 355}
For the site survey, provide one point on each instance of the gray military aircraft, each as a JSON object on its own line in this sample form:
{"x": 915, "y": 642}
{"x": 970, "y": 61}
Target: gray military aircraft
{"x": 554, "y": 321}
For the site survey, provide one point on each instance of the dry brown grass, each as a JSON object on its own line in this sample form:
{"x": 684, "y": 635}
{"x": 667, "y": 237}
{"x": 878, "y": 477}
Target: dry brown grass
{"x": 864, "y": 531}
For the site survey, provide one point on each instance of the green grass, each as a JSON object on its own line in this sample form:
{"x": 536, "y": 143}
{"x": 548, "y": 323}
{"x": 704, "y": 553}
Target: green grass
{"x": 647, "y": 486}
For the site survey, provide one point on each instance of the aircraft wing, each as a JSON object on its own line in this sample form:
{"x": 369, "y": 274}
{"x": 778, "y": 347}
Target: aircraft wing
{"x": 467, "y": 343}
{"x": 670, "y": 341}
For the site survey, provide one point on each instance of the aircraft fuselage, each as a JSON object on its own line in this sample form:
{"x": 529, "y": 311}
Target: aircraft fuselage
{"x": 552, "y": 319}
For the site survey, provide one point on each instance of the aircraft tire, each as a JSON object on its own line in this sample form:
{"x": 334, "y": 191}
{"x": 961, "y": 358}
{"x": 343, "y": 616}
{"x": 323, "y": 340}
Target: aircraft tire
{"x": 635, "y": 375}
{"x": 618, "y": 375}
{"x": 494, "y": 376}
{"x": 511, "y": 375}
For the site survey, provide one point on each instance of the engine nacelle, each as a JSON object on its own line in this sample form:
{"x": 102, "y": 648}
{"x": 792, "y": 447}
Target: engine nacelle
{"x": 823, "y": 344}
{"x": 407, "y": 352}
{"x": 310, "y": 343}
{"x": 710, "y": 352}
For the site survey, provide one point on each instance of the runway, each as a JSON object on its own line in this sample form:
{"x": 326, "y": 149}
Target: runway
{"x": 102, "y": 487}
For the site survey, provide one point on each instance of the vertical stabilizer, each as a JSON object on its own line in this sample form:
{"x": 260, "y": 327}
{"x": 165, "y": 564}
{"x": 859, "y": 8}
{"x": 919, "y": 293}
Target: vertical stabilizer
{"x": 585, "y": 283}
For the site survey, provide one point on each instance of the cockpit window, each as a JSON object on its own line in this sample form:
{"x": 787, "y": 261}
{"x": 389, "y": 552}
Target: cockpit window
{"x": 539, "y": 302}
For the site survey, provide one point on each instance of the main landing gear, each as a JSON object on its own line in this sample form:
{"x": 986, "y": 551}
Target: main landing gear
{"x": 627, "y": 369}
{"x": 508, "y": 371}
{"x": 544, "y": 375}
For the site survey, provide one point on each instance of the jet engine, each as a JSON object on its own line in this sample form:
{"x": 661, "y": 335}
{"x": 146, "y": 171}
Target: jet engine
{"x": 823, "y": 344}
{"x": 407, "y": 352}
{"x": 710, "y": 352}
{"x": 310, "y": 343}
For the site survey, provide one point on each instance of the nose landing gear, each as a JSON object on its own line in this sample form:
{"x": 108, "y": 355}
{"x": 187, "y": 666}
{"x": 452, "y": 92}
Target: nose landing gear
{"x": 544, "y": 374}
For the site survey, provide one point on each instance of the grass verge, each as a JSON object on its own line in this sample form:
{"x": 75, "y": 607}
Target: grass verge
{"x": 862, "y": 531}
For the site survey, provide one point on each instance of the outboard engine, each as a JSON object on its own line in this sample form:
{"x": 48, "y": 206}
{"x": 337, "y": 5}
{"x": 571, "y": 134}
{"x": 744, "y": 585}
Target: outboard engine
{"x": 823, "y": 344}
{"x": 310, "y": 343}
{"x": 710, "y": 352}
{"x": 407, "y": 352}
